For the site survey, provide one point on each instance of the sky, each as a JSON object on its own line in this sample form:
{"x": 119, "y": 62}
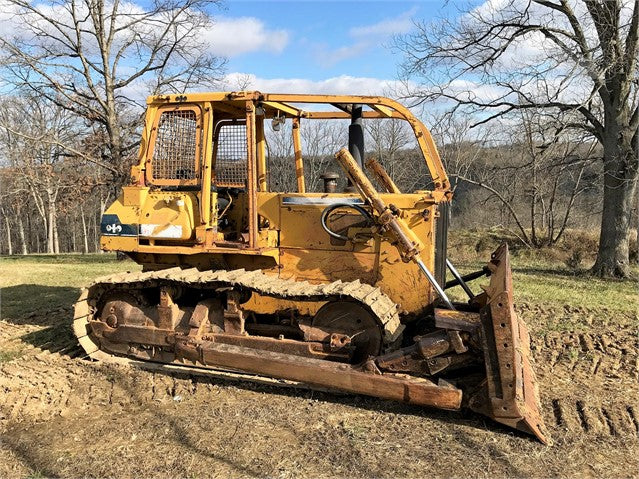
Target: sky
{"x": 324, "y": 46}
{"x": 301, "y": 46}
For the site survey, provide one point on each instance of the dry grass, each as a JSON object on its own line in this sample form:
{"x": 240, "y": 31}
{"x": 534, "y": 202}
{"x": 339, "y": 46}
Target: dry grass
{"x": 542, "y": 277}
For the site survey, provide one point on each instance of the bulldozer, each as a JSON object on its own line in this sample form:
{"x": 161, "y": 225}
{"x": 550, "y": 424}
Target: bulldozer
{"x": 342, "y": 288}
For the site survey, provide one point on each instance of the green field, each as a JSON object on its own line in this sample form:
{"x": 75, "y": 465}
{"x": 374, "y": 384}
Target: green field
{"x": 552, "y": 284}
{"x": 39, "y": 283}
{"x": 33, "y": 285}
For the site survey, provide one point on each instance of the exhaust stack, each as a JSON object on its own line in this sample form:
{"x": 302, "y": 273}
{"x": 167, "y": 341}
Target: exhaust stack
{"x": 355, "y": 141}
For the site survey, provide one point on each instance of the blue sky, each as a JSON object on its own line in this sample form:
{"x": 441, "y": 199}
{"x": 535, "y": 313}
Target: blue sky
{"x": 303, "y": 46}
{"x": 315, "y": 41}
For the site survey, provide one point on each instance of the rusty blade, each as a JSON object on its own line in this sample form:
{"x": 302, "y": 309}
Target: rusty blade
{"x": 510, "y": 394}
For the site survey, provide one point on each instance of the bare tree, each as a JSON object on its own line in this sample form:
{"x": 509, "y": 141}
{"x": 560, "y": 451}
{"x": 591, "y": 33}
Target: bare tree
{"x": 459, "y": 146}
{"x": 389, "y": 136}
{"x": 577, "y": 58}
{"x": 280, "y": 158}
{"x": 96, "y": 58}
{"x": 41, "y": 169}
{"x": 537, "y": 179}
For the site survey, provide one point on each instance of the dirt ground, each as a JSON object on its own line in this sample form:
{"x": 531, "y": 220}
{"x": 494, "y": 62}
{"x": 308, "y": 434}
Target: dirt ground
{"x": 63, "y": 415}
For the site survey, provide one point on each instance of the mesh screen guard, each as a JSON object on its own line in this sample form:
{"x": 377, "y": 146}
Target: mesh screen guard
{"x": 175, "y": 154}
{"x": 231, "y": 162}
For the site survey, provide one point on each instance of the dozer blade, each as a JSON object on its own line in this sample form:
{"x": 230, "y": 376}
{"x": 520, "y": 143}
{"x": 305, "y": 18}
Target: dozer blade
{"x": 510, "y": 393}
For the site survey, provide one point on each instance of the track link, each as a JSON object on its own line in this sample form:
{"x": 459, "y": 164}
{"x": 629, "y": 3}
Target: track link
{"x": 382, "y": 307}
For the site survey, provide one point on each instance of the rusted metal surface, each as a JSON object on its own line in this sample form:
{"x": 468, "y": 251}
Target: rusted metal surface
{"x": 383, "y": 309}
{"x": 167, "y": 309}
{"x": 382, "y": 176}
{"x": 322, "y": 373}
{"x": 510, "y": 394}
{"x": 346, "y": 324}
{"x": 460, "y": 320}
{"x": 330, "y": 182}
{"x": 309, "y": 349}
{"x": 233, "y": 314}
{"x": 199, "y": 337}
{"x": 431, "y": 354}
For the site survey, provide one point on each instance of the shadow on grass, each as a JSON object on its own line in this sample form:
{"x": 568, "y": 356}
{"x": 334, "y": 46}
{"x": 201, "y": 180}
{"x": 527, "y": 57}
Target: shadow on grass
{"x": 35, "y": 303}
{"x": 50, "y": 307}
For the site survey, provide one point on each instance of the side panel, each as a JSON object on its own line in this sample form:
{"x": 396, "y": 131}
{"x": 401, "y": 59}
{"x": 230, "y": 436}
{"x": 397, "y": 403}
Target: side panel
{"x": 139, "y": 216}
{"x": 319, "y": 266}
{"x": 169, "y": 215}
{"x": 307, "y": 252}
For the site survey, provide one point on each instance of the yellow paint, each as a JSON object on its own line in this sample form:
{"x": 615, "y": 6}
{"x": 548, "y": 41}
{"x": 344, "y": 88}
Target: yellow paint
{"x": 166, "y": 209}
{"x": 134, "y": 195}
{"x": 208, "y": 220}
{"x": 277, "y": 236}
{"x": 299, "y": 163}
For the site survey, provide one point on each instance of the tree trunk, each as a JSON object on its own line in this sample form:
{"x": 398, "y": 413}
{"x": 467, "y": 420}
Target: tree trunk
{"x": 96, "y": 237}
{"x": 50, "y": 223}
{"x": 56, "y": 238}
{"x": 74, "y": 228}
{"x": 84, "y": 231}
{"x": 8, "y": 226}
{"x": 23, "y": 240}
{"x": 620, "y": 188}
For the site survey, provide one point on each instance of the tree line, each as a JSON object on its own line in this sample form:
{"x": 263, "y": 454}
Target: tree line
{"x": 53, "y": 199}
{"x": 536, "y": 111}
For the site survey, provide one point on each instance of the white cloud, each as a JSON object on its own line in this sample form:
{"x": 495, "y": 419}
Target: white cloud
{"x": 340, "y": 85}
{"x": 365, "y": 37}
{"x": 327, "y": 57}
{"x": 387, "y": 27}
{"x": 231, "y": 37}
{"x": 225, "y": 36}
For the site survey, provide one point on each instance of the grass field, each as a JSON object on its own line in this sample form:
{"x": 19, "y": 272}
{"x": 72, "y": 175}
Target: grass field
{"x": 34, "y": 285}
{"x": 61, "y": 415}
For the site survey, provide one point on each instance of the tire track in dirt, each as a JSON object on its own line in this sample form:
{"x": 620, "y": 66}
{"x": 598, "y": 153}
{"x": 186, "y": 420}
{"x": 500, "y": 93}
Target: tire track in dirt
{"x": 578, "y": 372}
{"x": 589, "y": 382}
{"x": 608, "y": 354}
{"x": 578, "y": 417}
{"x": 47, "y": 385}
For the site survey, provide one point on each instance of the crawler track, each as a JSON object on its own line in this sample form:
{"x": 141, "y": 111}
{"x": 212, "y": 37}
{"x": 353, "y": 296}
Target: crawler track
{"x": 373, "y": 299}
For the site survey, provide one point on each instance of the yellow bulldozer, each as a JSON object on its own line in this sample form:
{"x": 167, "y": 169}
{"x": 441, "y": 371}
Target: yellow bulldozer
{"x": 343, "y": 290}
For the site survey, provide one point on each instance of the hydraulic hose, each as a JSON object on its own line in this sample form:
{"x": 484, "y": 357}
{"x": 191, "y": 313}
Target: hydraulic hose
{"x": 326, "y": 213}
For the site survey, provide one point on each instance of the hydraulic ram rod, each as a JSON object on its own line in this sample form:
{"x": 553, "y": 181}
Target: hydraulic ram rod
{"x": 434, "y": 282}
{"x": 459, "y": 279}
